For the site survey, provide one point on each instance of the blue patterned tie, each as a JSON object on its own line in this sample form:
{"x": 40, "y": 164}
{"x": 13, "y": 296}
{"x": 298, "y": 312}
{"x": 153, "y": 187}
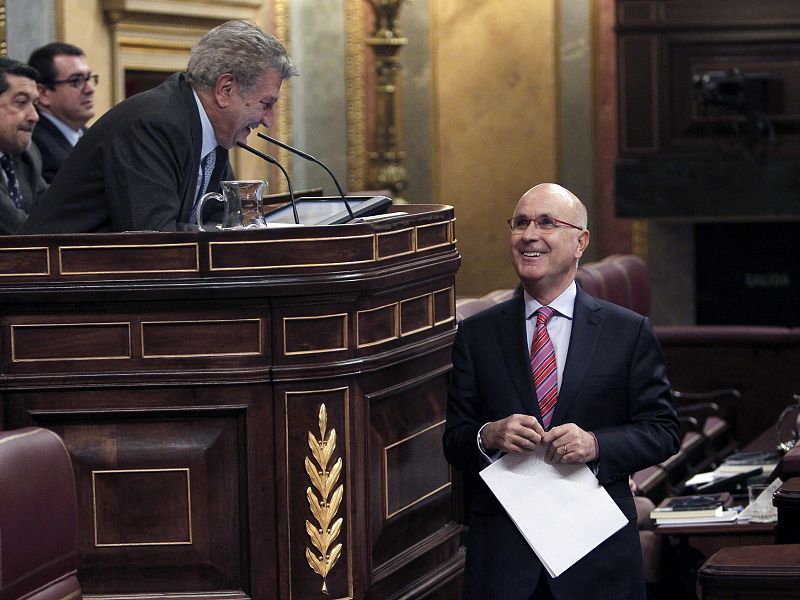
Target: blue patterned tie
{"x": 208, "y": 168}
{"x": 12, "y": 182}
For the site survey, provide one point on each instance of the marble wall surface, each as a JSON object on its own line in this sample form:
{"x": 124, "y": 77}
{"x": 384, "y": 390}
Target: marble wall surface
{"x": 31, "y": 23}
{"x": 495, "y": 123}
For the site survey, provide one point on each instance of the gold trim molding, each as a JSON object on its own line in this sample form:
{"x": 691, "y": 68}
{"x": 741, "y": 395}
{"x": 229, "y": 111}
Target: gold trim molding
{"x": 356, "y": 114}
{"x": 282, "y": 31}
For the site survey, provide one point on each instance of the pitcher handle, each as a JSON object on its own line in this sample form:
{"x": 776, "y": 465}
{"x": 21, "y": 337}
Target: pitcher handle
{"x": 215, "y": 196}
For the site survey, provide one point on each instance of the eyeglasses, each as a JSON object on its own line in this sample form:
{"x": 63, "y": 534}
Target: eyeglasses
{"x": 545, "y": 224}
{"x": 78, "y": 81}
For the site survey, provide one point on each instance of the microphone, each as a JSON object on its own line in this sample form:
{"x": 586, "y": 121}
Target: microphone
{"x": 271, "y": 160}
{"x": 307, "y": 156}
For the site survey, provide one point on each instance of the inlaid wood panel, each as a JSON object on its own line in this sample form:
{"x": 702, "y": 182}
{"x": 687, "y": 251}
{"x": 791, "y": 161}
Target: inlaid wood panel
{"x": 378, "y": 325}
{"x": 162, "y": 490}
{"x": 432, "y": 236}
{"x": 223, "y": 337}
{"x": 414, "y": 505}
{"x": 444, "y": 306}
{"x": 128, "y": 513}
{"x": 133, "y": 258}
{"x": 395, "y": 243}
{"x": 282, "y": 254}
{"x": 416, "y": 314}
{"x": 315, "y": 334}
{"x": 70, "y": 342}
{"x": 406, "y": 483}
{"x": 22, "y": 262}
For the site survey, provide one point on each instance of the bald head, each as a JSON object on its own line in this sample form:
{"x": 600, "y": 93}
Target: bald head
{"x": 570, "y": 201}
{"x": 549, "y": 240}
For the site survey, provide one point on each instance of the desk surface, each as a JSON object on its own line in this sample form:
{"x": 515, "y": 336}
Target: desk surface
{"x": 721, "y": 529}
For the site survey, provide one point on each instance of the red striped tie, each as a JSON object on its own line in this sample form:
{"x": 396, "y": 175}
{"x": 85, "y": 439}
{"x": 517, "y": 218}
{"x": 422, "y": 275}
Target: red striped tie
{"x": 543, "y": 366}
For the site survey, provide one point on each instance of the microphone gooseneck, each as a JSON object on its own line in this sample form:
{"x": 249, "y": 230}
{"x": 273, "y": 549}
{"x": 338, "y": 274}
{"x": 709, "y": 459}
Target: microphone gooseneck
{"x": 271, "y": 160}
{"x": 307, "y": 156}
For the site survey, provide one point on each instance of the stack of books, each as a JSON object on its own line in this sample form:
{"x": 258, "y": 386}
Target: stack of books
{"x": 694, "y": 510}
{"x": 742, "y": 462}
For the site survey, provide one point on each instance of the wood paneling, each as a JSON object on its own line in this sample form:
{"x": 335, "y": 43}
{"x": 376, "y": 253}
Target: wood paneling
{"x": 680, "y": 159}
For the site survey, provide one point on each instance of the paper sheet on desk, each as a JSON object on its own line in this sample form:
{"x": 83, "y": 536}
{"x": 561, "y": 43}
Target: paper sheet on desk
{"x": 560, "y": 509}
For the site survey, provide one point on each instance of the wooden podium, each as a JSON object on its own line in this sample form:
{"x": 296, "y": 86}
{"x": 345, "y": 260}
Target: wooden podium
{"x": 252, "y": 414}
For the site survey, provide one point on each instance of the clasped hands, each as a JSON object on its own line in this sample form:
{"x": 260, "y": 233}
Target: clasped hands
{"x": 522, "y": 434}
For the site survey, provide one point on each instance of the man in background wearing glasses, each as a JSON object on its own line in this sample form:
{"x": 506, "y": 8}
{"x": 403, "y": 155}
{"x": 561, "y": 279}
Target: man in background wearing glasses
{"x": 66, "y": 101}
{"x": 558, "y": 372}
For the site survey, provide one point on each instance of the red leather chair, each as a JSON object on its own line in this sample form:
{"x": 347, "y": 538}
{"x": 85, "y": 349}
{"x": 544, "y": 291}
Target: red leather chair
{"x": 38, "y": 517}
{"x": 619, "y": 278}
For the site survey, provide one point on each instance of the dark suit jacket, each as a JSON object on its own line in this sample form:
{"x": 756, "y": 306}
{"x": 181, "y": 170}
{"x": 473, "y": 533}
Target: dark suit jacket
{"x": 52, "y": 145}
{"x": 32, "y": 186}
{"x": 614, "y": 385}
{"x": 135, "y": 169}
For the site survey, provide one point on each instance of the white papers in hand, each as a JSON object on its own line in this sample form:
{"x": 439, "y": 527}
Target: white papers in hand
{"x": 560, "y": 509}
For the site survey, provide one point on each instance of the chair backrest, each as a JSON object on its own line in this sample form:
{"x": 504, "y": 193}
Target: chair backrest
{"x": 619, "y": 278}
{"x": 38, "y": 517}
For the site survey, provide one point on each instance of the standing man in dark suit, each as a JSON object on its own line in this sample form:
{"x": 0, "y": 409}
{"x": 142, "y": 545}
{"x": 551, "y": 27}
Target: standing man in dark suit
{"x": 20, "y": 164}
{"x": 66, "y": 102}
{"x": 144, "y": 164}
{"x": 606, "y": 402}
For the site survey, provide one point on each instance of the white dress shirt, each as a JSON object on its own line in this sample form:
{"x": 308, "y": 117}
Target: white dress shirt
{"x": 209, "y": 140}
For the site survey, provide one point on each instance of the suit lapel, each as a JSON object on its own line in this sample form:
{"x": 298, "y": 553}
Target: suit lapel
{"x": 512, "y": 327}
{"x": 196, "y": 132}
{"x": 586, "y": 325}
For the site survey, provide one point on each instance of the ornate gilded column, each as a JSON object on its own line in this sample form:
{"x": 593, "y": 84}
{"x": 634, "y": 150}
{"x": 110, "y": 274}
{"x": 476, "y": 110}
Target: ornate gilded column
{"x": 3, "y": 25}
{"x": 386, "y": 170}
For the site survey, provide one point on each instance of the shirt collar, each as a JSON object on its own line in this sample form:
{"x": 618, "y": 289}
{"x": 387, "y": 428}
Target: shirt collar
{"x": 209, "y": 138}
{"x": 67, "y": 131}
{"x": 564, "y": 305}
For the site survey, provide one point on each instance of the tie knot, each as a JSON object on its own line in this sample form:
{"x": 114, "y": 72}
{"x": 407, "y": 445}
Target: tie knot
{"x": 543, "y": 315}
{"x": 5, "y": 161}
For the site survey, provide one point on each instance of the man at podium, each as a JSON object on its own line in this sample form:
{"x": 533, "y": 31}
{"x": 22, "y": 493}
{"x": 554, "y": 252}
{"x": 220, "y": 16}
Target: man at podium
{"x": 146, "y": 162}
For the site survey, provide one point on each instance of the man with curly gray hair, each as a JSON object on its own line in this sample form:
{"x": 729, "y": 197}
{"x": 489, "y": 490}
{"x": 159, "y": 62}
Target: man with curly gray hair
{"x": 147, "y": 161}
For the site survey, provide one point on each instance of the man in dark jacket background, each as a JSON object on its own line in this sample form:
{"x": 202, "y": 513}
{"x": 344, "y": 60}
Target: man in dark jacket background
{"x": 20, "y": 164}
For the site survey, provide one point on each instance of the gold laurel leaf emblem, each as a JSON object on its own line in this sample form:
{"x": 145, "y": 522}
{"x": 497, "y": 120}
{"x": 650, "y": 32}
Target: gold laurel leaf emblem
{"x": 325, "y": 502}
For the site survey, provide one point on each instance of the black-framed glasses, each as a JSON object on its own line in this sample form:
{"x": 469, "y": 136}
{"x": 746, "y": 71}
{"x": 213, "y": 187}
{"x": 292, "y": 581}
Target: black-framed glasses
{"x": 78, "y": 81}
{"x": 520, "y": 223}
